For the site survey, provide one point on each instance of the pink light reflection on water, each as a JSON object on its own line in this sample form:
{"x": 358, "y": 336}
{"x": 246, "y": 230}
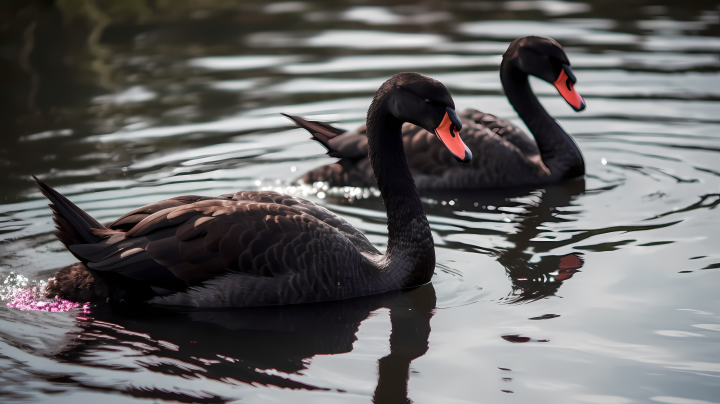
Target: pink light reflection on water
{"x": 26, "y": 300}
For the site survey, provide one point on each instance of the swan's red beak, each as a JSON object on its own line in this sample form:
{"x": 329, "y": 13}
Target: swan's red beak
{"x": 449, "y": 133}
{"x": 565, "y": 84}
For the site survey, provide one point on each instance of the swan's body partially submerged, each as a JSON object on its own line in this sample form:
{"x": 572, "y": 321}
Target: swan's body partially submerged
{"x": 264, "y": 248}
{"x": 507, "y": 155}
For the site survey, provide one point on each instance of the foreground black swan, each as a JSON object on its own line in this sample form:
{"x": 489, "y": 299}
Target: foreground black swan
{"x": 264, "y": 248}
{"x": 509, "y": 157}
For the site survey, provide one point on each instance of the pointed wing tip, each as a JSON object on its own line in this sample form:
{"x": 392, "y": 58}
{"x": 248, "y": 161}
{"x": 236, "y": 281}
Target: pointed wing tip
{"x": 293, "y": 118}
{"x": 41, "y": 186}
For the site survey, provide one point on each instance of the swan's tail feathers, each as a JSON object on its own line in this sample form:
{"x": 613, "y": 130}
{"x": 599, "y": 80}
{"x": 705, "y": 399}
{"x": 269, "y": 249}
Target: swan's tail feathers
{"x": 339, "y": 143}
{"x": 321, "y": 132}
{"x": 72, "y": 224}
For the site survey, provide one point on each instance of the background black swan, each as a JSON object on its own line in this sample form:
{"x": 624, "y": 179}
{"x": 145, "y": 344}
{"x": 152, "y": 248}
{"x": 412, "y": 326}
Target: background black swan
{"x": 509, "y": 156}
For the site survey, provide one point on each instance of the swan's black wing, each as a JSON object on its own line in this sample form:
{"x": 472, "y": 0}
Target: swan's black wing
{"x": 130, "y": 219}
{"x": 245, "y": 249}
{"x": 310, "y": 208}
{"x": 503, "y": 128}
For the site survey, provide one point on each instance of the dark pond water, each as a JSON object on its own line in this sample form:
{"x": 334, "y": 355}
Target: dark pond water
{"x": 599, "y": 291}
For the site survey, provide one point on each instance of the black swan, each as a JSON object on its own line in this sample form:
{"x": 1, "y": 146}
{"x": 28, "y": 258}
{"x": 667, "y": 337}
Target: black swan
{"x": 257, "y": 248}
{"x": 509, "y": 156}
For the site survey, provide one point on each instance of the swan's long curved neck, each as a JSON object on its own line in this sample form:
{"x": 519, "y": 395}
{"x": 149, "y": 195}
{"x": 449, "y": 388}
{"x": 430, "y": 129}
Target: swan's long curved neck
{"x": 557, "y": 149}
{"x": 410, "y": 252}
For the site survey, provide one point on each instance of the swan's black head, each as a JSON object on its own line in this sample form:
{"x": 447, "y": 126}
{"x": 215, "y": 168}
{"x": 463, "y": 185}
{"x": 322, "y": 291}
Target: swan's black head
{"x": 545, "y": 58}
{"x": 426, "y": 103}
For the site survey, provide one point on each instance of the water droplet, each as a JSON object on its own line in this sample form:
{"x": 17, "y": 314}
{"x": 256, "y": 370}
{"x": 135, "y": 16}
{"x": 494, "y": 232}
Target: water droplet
{"x": 603, "y": 161}
{"x": 257, "y": 183}
{"x": 321, "y": 194}
{"x": 293, "y": 169}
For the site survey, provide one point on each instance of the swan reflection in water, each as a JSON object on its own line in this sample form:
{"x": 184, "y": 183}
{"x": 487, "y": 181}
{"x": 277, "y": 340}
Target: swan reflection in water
{"x": 530, "y": 281}
{"x": 534, "y": 281}
{"x": 265, "y": 346}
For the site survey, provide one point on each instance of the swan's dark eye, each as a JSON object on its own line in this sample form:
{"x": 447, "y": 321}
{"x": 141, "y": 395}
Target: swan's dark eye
{"x": 427, "y": 101}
